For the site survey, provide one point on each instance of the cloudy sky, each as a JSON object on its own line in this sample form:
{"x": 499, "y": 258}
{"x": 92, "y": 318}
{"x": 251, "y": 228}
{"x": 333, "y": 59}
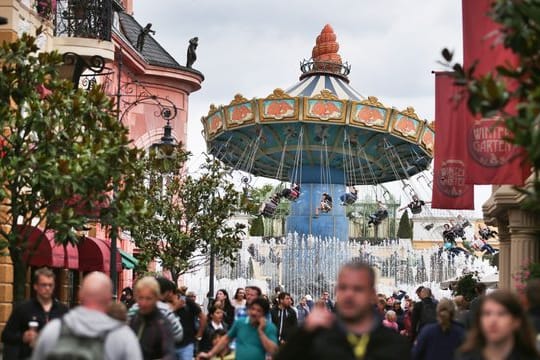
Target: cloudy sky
{"x": 252, "y": 47}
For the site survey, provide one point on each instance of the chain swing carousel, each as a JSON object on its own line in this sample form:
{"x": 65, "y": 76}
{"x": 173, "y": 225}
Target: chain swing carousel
{"x": 323, "y": 138}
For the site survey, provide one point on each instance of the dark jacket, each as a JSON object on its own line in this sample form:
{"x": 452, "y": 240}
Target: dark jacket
{"x": 516, "y": 354}
{"x": 286, "y": 322}
{"x": 17, "y": 324}
{"x": 206, "y": 342}
{"x": 534, "y": 316}
{"x": 332, "y": 344}
{"x": 433, "y": 343}
{"x": 419, "y": 315}
{"x": 155, "y": 335}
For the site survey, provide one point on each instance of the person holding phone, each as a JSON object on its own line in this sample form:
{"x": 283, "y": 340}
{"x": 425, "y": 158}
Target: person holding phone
{"x": 255, "y": 336}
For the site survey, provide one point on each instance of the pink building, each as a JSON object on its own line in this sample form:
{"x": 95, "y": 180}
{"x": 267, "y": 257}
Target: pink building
{"x": 150, "y": 80}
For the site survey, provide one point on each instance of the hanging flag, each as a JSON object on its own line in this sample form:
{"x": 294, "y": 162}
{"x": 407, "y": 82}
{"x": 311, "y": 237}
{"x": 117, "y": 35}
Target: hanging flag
{"x": 491, "y": 159}
{"x": 449, "y": 188}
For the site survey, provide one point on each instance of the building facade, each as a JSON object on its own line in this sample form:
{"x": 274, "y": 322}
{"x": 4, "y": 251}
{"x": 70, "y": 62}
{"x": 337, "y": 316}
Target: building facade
{"x": 139, "y": 73}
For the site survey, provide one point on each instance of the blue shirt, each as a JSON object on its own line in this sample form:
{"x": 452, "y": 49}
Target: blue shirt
{"x": 248, "y": 343}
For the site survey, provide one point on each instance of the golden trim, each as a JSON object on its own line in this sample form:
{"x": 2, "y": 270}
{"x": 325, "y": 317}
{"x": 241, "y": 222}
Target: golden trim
{"x": 238, "y": 99}
{"x": 333, "y": 119}
{"x": 372, "y": 101}
{"x": 266, "y": 118}
{"x": 213, "y": 109}
{"x": 409, "y": 111}
{"x": 325, "y": 94}
{"x": 279, "y": 94}
{"x": 249, "y": 105}
{"x": 366, "y": 104}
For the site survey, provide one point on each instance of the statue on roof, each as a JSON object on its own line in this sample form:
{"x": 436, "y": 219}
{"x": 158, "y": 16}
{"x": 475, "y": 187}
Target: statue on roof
{"x": 143, "y": 34}
{"x": 191, "y": 54}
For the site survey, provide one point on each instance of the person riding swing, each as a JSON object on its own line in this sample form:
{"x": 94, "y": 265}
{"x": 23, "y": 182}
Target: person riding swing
{"x": 325, "y": 204}
{"x": 268, "y": 209}
{"x": 350, "y": 197}
{"x": 415, "y": 205}
{"x": 291, "y": 193}
{"x": 378, "y": 216}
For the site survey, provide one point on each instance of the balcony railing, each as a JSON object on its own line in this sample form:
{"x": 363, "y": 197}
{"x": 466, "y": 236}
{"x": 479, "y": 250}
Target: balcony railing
{"x": 91, "y": 19}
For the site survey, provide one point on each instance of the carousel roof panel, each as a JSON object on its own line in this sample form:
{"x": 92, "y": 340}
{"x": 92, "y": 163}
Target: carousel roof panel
{"x": 313, "y": 85}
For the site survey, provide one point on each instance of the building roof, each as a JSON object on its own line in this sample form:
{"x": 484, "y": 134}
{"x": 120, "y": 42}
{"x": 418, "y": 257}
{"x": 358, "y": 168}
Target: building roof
{"x": 153, "y": 53}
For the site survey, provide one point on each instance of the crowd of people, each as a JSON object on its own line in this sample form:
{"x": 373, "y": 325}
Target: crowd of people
{"x": 158, "y": 320}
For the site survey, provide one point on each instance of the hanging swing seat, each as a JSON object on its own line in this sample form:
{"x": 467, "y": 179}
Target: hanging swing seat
{"x": 268, "y": 209}
{"x": 348, "y": 198}
{"x": 291, "y": 194}
{"x": 326, "y": 206}
{"x": 416, "y": 209}
{"x": 378, "y": 217}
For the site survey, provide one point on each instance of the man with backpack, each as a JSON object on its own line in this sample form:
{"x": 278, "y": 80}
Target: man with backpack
{"x": 424, "y": 312}
{"x": 86, "y": 332}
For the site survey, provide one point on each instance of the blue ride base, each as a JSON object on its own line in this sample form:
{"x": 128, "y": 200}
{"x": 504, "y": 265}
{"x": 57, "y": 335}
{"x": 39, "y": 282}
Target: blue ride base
{"x": 302, "y": 219}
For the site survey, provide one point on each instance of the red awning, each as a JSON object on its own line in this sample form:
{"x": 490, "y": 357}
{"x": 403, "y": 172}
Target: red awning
{"x": 42, "y": 250}
{"x": 95, "y": 255}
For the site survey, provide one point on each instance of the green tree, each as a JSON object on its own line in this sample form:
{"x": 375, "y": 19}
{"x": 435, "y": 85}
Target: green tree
{"x": 489, "y": 94}
{"x": 257, "y": 226}
{"x": 61, "y": 152}
{"x": 405, "y": 228}
{"x": 466, "y": 286}
{"x": 190, "y": 216}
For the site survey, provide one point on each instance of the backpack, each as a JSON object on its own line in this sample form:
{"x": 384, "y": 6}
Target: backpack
{"x": 428, "y": 313}
{"x": 71, "y": 346}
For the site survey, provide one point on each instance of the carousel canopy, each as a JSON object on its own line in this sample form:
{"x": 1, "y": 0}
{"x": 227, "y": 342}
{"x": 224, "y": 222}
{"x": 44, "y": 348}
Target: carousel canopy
{"x": 320, "y": 122}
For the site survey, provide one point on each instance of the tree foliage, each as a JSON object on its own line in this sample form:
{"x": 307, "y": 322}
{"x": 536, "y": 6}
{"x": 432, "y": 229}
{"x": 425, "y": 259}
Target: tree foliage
{"x": 466, "y": 286}
{"x": 191, "y": 216}
{"x": 490, "y": 94}
{"x": 405, "y": 228}
{"x": 61, "y": 152}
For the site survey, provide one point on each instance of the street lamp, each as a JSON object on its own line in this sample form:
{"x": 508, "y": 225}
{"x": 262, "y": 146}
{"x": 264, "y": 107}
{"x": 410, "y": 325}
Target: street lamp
{"x": 136, "y": 94}
{"x": 74, "y": 65}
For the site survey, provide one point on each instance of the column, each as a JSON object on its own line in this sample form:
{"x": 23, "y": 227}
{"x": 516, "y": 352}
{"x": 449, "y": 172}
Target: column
{"x": 504, "y": 255}
{"x": 524, "y": 244}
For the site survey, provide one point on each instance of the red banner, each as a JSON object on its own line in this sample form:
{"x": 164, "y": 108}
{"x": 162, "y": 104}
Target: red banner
{"x": 491, "y": 159}
{"x": 449, "y": 188}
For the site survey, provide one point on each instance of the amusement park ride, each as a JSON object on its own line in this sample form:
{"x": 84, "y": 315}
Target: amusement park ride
{"x": 322, "y": 138}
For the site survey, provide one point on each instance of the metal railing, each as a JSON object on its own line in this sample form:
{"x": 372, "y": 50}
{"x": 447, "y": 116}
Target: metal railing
{"x": 91, "y": 19}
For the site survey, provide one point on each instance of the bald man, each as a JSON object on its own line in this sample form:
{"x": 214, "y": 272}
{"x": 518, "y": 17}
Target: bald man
{"x": 89, "y": 320}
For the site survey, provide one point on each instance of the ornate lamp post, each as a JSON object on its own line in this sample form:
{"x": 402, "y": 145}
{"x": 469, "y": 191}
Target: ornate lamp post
{"x": 130, "y": 94}
{"x": 136, "y": 93}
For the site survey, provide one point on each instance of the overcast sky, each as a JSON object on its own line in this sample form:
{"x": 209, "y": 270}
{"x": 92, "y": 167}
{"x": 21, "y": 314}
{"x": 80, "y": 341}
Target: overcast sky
{"x": 252, "y": 47}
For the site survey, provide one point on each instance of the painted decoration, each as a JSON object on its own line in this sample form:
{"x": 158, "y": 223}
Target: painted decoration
{"x": 325, "y": 109}
{"x": 278, "y": 109}
{"x": 215, "y": 123}
{"x": 239, "y": 114}
{"x": 406, "y": 126}
{"x": 428, "y": 139}
{"x": 369, "y": 116}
